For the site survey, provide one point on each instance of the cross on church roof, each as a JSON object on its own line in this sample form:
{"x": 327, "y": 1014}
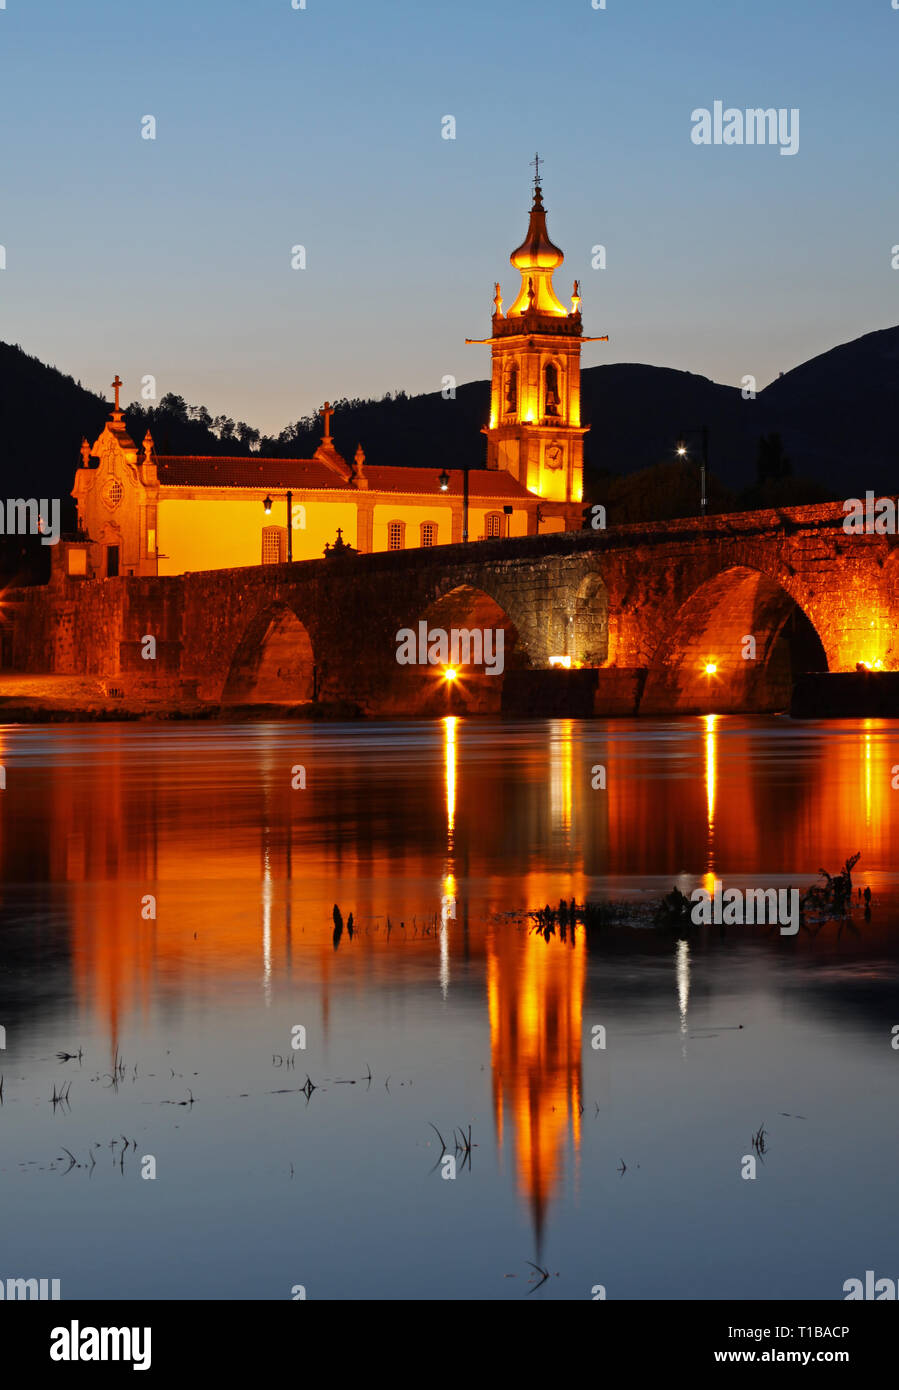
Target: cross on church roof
{"x": 117, "y": 386}
{"x": 537, "y": 170}
{"x": 327, "y": 412}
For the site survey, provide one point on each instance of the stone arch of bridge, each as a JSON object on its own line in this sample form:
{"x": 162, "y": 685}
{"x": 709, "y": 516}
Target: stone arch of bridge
{"x": 737, "y": 643}
{"x": 482, "y": 641}
{"x": 274, "y": 661}
{"x": 564, "y": 612}
{"x": 468, "y": 607}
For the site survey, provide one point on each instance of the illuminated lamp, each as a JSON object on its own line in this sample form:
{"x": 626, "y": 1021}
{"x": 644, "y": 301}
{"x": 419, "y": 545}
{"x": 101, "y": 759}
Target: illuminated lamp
{"x": 267, "y": 504}
{"x": 710, "y": 668}
{"x": 564, "y": 661}
{"x": 450, "y": 673}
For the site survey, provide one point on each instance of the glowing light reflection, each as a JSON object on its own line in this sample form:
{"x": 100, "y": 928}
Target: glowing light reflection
{"x": 682, "y": 970}
{"x": 711, "y": 778}
{"x": 561, "y": 776}
{"x": 449, "y": 728}
{"x": 267, "y": 895}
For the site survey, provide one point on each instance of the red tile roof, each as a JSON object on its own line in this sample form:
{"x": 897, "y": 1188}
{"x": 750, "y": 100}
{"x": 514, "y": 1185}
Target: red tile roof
{"x": 278, "y": 474}
{"x": 213, "y": 471}
{"x": 482, "y": 482}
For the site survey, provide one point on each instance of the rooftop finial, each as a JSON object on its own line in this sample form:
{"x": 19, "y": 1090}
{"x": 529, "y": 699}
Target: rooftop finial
{"x": 117, "y": 386}
{"x": 537, "y": 173}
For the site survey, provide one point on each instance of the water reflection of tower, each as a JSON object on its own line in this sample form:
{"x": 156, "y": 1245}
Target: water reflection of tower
{"x": 535, "y": 991}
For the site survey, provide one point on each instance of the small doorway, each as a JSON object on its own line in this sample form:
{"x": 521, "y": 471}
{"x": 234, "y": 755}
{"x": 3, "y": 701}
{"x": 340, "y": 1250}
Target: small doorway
{"x": 112, "y": 561}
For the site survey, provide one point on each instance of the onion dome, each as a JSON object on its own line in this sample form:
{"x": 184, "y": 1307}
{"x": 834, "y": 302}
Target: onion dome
{"x": 537, "y": 252}
{"x": 536, "y": 259}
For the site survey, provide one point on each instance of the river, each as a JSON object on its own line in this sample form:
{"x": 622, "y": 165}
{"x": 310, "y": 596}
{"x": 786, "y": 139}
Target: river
{"x": 166, "y": 915}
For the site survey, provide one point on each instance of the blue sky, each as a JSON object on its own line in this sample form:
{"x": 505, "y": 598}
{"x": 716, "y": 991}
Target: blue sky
{"x": 322, "y": 127}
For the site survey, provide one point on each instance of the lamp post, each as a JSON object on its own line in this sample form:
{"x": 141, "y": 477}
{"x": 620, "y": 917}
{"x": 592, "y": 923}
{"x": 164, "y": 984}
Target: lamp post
{"x": 444, "y": 481}
{"x": 267, "y": 505}
{"x": 703, "y": 433}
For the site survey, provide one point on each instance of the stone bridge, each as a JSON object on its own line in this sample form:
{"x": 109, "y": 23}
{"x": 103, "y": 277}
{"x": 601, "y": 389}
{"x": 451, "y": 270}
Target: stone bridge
{"x": 713, "y": 613}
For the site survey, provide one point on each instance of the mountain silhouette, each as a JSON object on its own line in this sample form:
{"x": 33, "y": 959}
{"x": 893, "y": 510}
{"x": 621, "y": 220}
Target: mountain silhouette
{"x": 835, "y": 416}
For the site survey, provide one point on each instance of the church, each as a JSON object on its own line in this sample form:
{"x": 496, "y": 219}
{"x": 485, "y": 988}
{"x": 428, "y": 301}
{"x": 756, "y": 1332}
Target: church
{"x": 143, "y": 513}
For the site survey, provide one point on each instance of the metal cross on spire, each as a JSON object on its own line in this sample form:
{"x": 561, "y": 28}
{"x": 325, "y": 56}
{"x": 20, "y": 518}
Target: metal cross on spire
{"x": 537, "y": 170}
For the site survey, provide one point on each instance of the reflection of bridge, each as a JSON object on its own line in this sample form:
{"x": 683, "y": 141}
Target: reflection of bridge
{"x": 663, "y": 610}
{"x": 232, "y": 853}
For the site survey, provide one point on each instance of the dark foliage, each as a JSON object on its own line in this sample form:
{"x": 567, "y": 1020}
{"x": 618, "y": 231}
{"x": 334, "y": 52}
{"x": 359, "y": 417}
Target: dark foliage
{"x": 827, "y": 429}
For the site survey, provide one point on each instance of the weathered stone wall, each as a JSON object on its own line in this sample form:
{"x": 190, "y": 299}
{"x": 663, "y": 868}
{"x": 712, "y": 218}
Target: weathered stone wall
{"x": 68, "y": 628}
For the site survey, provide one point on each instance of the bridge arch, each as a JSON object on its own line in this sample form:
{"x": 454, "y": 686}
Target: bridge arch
{"x": 737, "y": 643}
{"x": 488, "y": 644}
{"x": 589, "y": 623}
{"x": 273, "y": 663}
{"x": 467, "y": 606}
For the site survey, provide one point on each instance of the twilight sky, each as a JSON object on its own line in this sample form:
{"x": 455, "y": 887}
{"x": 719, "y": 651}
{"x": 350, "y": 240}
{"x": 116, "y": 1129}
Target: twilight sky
{"x": 322, "y": 127}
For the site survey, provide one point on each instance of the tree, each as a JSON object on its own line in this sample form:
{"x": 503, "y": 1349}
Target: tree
{"x": 175, "y": 405}
{"x": 247, "y": 434}
{"x": 662, "y": 493}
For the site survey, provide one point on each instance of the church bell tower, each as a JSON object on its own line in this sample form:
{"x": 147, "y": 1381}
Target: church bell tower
{"x": 535, "y": 431}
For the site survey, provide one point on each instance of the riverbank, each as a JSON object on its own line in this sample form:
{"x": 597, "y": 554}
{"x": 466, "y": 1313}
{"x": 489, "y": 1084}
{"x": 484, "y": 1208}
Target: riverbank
{"x": 76, "y": 700}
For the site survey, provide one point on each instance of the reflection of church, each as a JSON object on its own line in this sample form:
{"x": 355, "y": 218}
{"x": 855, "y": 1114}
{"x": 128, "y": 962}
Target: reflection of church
{"x": 535, "y": 991}
{"x": 147, "y": 513}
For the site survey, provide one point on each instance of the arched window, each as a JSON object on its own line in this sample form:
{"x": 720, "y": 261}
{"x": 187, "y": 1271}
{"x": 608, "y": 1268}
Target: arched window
{"x": 272, "y": 548}
{"x": 396, "y": 535}
{"x": 493, "y": 525}
{"x": 510, "y": 404}
{"x": 552, "y": 400}
{"x": 429, "y": 533}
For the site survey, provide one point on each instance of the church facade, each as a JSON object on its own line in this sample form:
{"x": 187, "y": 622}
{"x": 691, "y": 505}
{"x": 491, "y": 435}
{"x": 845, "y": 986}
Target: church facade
{"x": 143, "y": 513}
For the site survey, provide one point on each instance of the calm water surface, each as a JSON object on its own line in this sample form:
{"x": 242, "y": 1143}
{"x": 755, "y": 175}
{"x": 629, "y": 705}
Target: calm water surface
{"x": 461, "y": 1015}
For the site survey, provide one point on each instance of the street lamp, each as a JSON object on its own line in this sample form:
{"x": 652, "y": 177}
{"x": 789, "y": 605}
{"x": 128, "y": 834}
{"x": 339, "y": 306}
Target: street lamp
{"x": 267, "y": 507}
{"x": 444, "y": 482}
{"x": 703, "y": 433}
